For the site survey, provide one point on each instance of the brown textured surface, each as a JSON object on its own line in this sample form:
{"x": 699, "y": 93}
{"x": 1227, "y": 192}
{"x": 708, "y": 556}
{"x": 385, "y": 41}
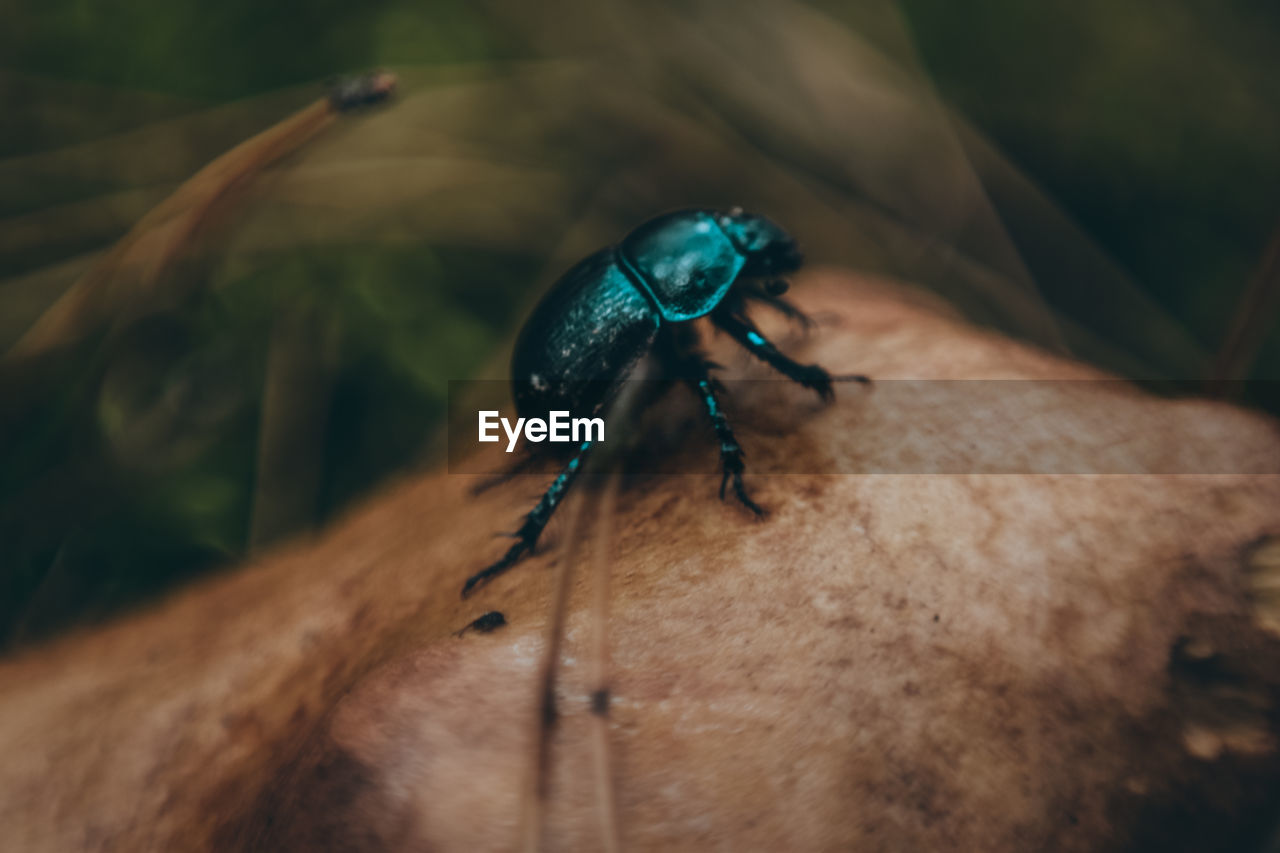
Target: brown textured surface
{"x": 888, "y": 663}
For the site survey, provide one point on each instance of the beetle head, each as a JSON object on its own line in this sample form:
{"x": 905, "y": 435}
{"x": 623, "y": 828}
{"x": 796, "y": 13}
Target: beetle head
{"x": 769, "y": 250}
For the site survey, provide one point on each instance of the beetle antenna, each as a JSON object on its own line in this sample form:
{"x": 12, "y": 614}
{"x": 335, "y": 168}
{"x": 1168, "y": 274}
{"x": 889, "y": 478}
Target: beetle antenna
{"x": 770, "y": 293}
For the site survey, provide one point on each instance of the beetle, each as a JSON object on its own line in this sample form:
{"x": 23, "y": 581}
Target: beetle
{"x": 588, "y": 333}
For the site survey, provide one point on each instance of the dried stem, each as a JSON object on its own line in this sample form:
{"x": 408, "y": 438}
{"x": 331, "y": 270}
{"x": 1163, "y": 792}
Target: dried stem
{"x": 168, "y": 231}
{"x": 606, "y": 804}
{"x": 534, "y": 796}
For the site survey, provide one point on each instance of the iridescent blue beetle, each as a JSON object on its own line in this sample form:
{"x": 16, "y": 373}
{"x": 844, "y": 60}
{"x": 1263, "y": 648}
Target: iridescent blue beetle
{"x": 590, "y": 330}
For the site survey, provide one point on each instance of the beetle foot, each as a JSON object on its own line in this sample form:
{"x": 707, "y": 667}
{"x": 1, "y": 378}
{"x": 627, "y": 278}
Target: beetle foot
{"x": 816, "y": 378}
{"x": 733, "y": 467}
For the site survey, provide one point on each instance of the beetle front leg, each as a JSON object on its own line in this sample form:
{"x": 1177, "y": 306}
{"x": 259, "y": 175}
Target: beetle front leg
{"x": 533, "y": 524}
{"x": 809, "y": 375}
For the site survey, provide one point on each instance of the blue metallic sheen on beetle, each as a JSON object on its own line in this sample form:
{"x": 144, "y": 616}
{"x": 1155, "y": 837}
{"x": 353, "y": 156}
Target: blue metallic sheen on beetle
{"x": 626, "y": 301}
{"x": 604, "y": 313}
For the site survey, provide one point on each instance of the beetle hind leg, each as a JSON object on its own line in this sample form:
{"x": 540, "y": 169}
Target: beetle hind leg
{"x": 528, "y": 537}
{"x": 534, "y": 523}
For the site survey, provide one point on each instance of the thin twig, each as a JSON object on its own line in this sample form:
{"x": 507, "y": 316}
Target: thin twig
{"x": 167, "y": 232}
{"x": 606, "y": 801}
{"x": 533, "y": 799}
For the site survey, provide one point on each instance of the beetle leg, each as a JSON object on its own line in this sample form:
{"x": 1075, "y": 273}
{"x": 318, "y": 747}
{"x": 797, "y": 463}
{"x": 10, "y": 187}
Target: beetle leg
{"x": 730, "y": 452}
{"x": 809, "y": 375}
{"x": 533, "y": 524}
{"x": 682, "y": 360}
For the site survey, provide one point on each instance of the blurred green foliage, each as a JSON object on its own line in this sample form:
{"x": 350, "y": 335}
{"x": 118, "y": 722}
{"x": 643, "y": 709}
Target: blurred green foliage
{"x": 227, "y": 50}
{"x": 1154, "y": 124}
{"x": 130, "y": 463}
